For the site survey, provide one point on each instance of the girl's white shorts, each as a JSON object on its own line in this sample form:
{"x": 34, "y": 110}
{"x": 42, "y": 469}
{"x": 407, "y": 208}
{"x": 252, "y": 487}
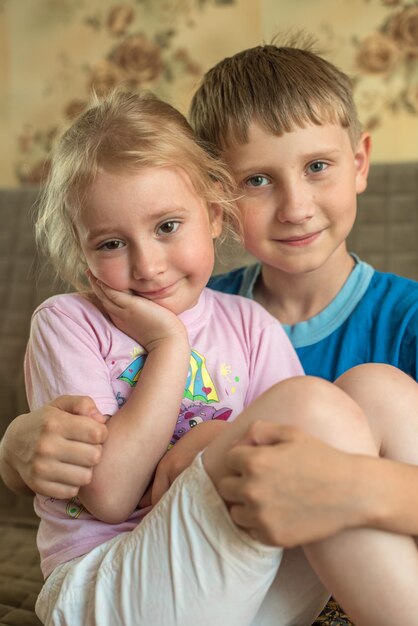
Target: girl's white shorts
{"x": 185, "y": 564}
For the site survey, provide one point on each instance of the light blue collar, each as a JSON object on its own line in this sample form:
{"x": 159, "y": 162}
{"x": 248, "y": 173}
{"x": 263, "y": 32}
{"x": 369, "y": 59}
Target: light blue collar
{"x": 329, "y": 319}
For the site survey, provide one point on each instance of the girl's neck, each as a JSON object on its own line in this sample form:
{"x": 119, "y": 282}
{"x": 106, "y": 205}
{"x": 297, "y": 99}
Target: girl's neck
{"x": 294, "y": 298}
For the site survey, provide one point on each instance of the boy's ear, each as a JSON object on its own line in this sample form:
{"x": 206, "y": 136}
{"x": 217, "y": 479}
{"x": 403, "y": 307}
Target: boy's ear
{"x": 216, "y": 216}
{"x": 362, "y": 161}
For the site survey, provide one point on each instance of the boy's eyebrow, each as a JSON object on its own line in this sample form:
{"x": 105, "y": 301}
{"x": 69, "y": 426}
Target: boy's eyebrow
{"x": 322, "y": 151}
{"x": 319, "y": 153}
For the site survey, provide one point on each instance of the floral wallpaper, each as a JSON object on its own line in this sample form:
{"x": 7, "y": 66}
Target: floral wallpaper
{"x": 386, "y": 63}
{"x": 61, "y": 50}
{"x": 54, "y": 52}
{"x": 376, "y": 43}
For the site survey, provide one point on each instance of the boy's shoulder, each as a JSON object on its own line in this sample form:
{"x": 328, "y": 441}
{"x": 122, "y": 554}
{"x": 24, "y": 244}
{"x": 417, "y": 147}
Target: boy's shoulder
{"x": 393, "y": 288}
{"x": 233, "y": 281}
{"x": 238, "y": 307}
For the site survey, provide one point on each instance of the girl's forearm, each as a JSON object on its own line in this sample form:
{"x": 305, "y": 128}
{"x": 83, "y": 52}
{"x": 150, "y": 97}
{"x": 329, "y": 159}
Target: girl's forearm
{"x": 139, "y": 434}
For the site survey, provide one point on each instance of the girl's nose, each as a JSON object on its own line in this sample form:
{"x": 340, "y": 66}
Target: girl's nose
{"x": 147, "y": 262}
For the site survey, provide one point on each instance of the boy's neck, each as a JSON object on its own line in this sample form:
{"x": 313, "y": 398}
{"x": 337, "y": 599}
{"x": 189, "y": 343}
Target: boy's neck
{"x": 294, "y": 298}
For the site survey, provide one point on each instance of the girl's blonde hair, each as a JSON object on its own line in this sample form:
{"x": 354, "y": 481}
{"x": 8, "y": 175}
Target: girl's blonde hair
{"x": 123, "y": 132}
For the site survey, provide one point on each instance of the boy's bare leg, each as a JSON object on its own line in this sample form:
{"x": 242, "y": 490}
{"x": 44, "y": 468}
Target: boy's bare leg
{"x": 360, "y": 567}
{"x": 389, "y": 398}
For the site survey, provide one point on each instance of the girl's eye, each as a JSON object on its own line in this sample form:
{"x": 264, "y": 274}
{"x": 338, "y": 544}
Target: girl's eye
{"x": 168, "y": 228}
{"x": 317, "y": 166}
{"x": 257, "y": 181}
{"x": 114, "y": 244}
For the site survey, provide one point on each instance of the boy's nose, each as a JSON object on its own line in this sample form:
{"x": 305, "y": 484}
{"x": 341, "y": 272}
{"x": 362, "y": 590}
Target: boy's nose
{"x": 294, "y": 205}
{"x": 147, "y": 262}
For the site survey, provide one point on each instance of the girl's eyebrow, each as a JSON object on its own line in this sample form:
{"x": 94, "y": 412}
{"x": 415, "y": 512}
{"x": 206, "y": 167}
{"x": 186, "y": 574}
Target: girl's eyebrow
{"x": 165, "y": 213}
{"x": 93, "y": 233}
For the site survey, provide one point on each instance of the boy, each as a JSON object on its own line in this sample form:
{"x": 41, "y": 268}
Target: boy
{"x": 285, "y": 121}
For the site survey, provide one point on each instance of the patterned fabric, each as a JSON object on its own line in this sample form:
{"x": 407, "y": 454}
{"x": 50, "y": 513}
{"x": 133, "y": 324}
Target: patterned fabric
{"x": 332, "y": 615}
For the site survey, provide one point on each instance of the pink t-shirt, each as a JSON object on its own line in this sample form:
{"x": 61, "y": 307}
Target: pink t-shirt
{"x": 238, "y": 351}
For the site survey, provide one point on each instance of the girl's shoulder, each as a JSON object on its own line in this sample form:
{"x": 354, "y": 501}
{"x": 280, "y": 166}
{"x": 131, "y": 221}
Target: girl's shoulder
{"x": 73, "y": 305}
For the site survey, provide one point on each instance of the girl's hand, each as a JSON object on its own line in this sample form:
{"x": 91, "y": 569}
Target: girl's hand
{"x": 143, "y": 320}
{"x": 180, "y": 456}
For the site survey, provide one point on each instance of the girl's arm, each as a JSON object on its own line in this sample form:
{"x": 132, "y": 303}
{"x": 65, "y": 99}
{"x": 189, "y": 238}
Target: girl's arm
{"x": 138, "y": 434}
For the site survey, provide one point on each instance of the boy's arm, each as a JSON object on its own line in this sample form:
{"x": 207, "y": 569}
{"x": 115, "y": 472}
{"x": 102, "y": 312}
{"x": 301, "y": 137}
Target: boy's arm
{"x": 139, "y": 433}
{"x": 289, "y": 488}
{"x": 52, "y": 450}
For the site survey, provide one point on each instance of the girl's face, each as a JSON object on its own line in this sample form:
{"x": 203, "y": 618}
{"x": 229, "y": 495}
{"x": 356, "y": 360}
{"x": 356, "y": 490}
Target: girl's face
{"x": 149, "y": 233}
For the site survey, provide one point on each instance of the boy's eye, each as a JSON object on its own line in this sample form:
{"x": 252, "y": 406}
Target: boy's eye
{"x": 317, "y": 166}
{"x": 113, "y": 244}
{"x": 257, "y": 181}
{"x": 168, "y": 227}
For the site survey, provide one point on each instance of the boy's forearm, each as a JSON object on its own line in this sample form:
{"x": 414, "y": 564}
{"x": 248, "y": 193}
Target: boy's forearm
{"x": 379, "y": 493}
{"x": 391, "y": 496}
{"x": 138, "y": 435}
{"x": 8, "y": 463}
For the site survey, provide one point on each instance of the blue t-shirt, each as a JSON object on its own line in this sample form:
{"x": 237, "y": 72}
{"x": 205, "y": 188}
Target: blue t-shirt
{"x": 373, "y": 319}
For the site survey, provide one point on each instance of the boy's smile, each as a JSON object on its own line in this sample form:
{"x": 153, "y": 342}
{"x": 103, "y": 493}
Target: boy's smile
{"x": 300, "y": 189}
{"x": 148, "y": 232}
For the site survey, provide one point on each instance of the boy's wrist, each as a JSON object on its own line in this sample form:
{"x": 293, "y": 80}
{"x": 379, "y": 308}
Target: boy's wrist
{"x": 371, "y": 489}
{"x": 8, "y": 465}
{"x": 390, "y": 506}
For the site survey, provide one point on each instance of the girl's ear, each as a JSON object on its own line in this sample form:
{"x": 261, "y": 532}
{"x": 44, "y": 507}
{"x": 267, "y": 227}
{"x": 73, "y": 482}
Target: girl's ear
{"x": 216, "y": 218}
{"x": 362, "y": 161}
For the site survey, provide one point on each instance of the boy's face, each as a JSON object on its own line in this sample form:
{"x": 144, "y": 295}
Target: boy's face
{"x": 300, "y": 194}
{"x": 151, "y": 234}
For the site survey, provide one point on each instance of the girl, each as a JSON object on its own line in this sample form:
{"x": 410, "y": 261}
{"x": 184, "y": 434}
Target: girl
{"x": 132, "y": 205}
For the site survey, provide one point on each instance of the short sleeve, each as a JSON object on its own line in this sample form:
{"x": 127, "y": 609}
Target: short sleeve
{"x": 66, "y": 355}
{"x": 273, "y": 359}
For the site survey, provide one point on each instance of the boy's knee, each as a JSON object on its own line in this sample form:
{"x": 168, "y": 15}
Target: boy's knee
{"x": 373, "y": 377}
{"x": 325, "y": 411}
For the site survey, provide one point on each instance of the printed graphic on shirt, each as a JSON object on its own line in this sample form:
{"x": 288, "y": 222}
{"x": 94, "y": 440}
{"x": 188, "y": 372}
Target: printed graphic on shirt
{"x": 133, "y": 371}
{"x": 193, "y": 414}
{"x": 199, "y": 384}
{"x": 74, "y": 508}
{"x": 226, "y": 372}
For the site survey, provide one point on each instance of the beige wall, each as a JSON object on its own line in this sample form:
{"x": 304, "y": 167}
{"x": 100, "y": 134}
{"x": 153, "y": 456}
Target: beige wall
{"x": 52, "y": 51}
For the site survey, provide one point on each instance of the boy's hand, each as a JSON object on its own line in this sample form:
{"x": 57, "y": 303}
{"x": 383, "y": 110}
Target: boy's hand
{"x": 181, "y": 455}
{"x": 54, "y": 449}
{"x": 143, "y": 320}
{"x": 287, "y": 488}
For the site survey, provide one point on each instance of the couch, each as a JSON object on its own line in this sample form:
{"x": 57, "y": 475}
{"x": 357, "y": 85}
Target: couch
{"x": 385, "y": 234}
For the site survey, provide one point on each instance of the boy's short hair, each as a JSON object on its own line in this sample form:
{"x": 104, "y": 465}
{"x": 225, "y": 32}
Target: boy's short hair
{"x": 124, "y": 132}
{"x": 278, "y": 86}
